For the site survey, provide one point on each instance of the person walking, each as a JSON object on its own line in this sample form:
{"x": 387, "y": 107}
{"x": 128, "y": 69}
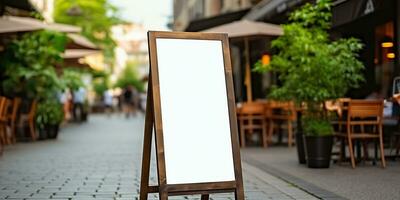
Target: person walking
{"x": 108, "y": 101}
{"x": 79, "y": 97}
{"x": 128, "y": 100}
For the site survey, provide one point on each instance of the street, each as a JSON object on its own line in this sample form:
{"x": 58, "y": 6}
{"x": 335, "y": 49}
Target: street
{"x": 101, "y": 159}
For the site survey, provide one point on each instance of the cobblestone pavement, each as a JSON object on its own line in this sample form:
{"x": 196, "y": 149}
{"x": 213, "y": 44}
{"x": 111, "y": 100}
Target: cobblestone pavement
{"x": 101, "y": 160}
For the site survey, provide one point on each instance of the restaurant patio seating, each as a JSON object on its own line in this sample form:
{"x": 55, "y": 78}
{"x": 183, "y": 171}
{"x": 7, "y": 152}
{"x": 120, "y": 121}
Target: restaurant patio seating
{"x": 278, "y": 112}
{"x": 251, "y": 118}
{"x": 363, "y": 123}
{"x": 29, "y": 118}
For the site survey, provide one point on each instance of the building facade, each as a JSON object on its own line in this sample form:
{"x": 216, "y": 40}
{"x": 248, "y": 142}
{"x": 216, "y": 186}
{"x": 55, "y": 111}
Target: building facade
{"x": 131, "y": 39}
{"x": 375, "y": 22}
{"x": 186, "y": 11}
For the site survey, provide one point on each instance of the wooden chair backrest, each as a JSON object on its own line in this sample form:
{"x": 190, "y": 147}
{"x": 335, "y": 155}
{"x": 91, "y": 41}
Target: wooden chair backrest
{"x": 365, "y": 109}
{"x": 2, "y": 104}
{"x": 253, "y": 108}
{"x": 4, "y": 109}
{"x": 288, "y": 108}
{"x": 15, "y": 108}
{"x": 32, "y": 111}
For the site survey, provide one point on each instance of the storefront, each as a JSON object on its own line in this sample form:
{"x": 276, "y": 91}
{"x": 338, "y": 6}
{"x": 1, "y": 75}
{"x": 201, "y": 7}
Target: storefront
{"x": 374, "y": 22}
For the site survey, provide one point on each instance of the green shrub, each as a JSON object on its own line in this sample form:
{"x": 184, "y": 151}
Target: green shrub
{"x": 72, "y": 79}
{"x": 317, "y": 127}
{"x": 28, "y": 65}
{"x": 129, "y": 76}
{"x": 49, "y": 112}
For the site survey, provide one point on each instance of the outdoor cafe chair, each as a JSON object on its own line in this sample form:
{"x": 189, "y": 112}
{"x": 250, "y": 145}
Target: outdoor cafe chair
{"x": 12, "y": 117}
{"x": 251, "y": 116}
{"x": 2, "y": 130}
{"x": 2, "y": 101}
{"x": 363, "y": 123}
{"x": 5, "y": 138}
{"x": 29, "y": 119}
{"x": 281, "y": 113}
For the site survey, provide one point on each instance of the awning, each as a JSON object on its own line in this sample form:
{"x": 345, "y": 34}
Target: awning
{"x": 206, "y": 23}
{"x": 9, "y": 24}
{"x": 246, "y": 28}
{"x": 78, "y": 53}
{"x": 266, "y": 9}
{"x": 79, "y": 42}
{"x": 65, "y": 28}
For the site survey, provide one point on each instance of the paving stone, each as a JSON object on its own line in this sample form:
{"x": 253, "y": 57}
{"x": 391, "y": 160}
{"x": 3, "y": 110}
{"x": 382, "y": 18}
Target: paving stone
{"x": 101, "y": 160}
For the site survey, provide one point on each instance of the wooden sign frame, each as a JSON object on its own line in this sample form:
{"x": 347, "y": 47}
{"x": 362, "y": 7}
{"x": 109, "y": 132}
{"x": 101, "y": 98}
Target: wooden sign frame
{"x": 154, "y": 119}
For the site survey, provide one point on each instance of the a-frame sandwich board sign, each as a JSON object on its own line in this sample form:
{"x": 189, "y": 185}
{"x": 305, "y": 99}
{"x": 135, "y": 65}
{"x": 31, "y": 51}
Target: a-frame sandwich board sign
{"x": 191, "y": 106}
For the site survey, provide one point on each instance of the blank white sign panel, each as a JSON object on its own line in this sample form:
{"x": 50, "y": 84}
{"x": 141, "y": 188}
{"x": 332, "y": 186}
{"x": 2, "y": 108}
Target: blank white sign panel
{"x": 194, "y": 108}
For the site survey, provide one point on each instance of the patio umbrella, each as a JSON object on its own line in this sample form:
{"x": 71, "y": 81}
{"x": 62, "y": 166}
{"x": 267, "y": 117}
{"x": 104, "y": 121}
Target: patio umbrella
{"x": 245, "y": 29}
{"x": 78, "y": 48}
{"x": 9, "y": 24}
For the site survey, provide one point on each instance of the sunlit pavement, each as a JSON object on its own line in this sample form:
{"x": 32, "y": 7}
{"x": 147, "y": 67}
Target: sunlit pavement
{"x": 366, "y": 182}
{"x": 101, "y": 159}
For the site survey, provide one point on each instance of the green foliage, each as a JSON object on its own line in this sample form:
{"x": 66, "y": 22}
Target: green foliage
{"x": 49, "y": 112}
{"x": 313, "y": 69}
{"x": 317, "y": 127}
{"x": 129, "y": 76}
{"x": 28, "y": 65}
{"x": 95, "y": 17}
{"x": 72, "y": 79}
{"x": 100, "y": 85}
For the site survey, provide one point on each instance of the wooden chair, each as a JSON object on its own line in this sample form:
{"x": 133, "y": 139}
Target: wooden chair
{"x": 29, "y": 119}
{"x": 278, "y": 112}
{"x": 364, "y": 114}
{"x": 2, "y": 133}
{"x": 4, "y": 137}
{"x": 251, "y": 117}
{"x": 12, "y": 117}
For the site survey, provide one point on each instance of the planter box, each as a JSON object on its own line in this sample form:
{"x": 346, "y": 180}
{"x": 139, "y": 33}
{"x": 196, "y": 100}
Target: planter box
{"x": 300, "y": 148}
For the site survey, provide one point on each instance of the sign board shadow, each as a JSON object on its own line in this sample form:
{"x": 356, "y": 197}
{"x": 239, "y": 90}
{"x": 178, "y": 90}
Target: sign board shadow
{"x": 191, "y": 106}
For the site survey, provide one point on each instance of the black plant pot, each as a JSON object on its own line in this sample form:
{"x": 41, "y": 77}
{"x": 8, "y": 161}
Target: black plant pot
{"x": 300, "y": 148}
{"x": 53, "y": 130}
{"x": 43, "y": 132}
{"x": 318, "y": 151}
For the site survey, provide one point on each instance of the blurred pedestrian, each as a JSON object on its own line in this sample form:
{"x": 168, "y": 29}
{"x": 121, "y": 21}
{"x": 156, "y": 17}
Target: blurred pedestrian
{"x": 64, "y": 97}
{"x": 108, "y": 101}
{"x": 130, "y": 100}
{"x": 79, "y": 97}
{"x": 127, "y": 100}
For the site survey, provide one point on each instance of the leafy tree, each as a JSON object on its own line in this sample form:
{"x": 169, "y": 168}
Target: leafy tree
{"x": 129, "y": 76}
{"x": 96, "y": 19}
{"x": 100, "y": 85}
{"x": 28, "y": 65}
{"x": 312, "y": 68}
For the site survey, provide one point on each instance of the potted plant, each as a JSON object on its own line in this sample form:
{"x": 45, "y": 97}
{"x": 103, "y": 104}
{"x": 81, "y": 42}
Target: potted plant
{"x": 49, "y": 116}
{"x": 313, "y": 69}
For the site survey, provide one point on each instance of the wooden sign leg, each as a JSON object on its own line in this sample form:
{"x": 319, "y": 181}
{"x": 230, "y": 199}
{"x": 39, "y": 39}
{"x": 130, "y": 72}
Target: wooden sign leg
{"x": 163, "y": 195}
{"x": 205, "y": 197}
{"x": 239, "y": 194}
{"x": 148, "y": 129}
